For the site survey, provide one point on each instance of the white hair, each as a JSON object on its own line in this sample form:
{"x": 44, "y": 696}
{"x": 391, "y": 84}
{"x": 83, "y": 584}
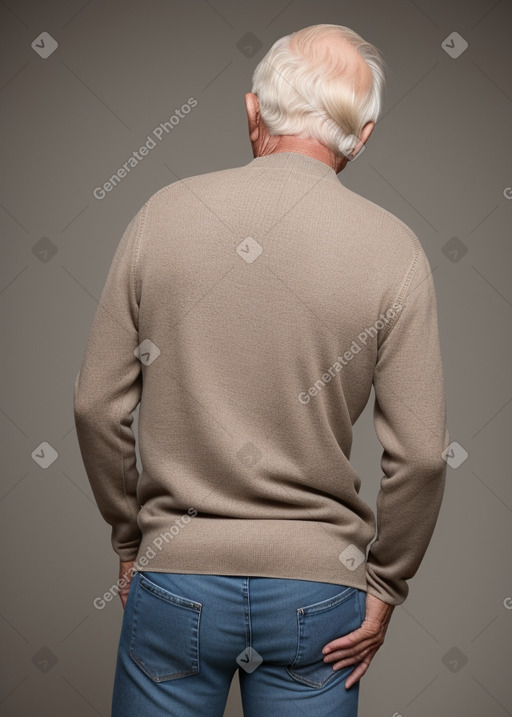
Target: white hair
{"x": 303, "y": 90}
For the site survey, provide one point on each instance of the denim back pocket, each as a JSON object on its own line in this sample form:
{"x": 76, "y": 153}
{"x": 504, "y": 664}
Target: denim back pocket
{"x": 318, "y": 624}
{"x": 165, "y": 632}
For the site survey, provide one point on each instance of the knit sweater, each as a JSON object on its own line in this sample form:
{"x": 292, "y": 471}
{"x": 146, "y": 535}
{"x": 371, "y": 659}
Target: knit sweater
{"x": 249, "y": 311}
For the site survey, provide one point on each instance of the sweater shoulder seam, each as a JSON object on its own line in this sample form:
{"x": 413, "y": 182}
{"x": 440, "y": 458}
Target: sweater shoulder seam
{"x": 409, "y": 273}
{"x": 143, "y": 213}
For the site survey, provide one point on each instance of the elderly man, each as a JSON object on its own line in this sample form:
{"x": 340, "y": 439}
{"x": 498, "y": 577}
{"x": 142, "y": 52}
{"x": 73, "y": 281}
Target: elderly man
{"x": 249, "y": 311}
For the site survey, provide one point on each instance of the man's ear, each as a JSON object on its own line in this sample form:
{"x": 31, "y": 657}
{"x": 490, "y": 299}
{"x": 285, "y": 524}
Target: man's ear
{"x": 252, "y": 106}
{"x": 363, "y": 138}
{"x": 366, "y": 131}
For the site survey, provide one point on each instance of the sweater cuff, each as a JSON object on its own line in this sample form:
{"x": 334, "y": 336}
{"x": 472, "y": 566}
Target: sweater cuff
{"x": 126, "y": 541}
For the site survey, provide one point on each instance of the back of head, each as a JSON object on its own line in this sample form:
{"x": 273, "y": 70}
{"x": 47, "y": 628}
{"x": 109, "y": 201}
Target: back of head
{"x": 324, "y": 82}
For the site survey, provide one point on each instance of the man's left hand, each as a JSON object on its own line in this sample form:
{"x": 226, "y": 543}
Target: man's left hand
{"x": 359, "y": 647}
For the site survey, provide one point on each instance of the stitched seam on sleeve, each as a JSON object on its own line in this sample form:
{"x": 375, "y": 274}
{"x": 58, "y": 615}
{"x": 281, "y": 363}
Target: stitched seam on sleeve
{"x": 404, "y": 287}
{"x": 133, "y": 293}
{"x": 123, "y": 474}
{"x": 136, "y": 253}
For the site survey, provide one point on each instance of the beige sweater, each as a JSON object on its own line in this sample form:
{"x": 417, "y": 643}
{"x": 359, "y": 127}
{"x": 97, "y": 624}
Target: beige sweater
{"x": 249, "y": 311}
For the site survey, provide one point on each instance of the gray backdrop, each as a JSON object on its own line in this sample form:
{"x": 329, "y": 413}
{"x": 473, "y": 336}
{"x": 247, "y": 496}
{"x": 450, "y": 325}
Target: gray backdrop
{"x": 439, "y": 159}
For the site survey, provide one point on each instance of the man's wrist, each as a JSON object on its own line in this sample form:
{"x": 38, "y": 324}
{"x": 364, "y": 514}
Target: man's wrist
{"x": 379, "y": 609}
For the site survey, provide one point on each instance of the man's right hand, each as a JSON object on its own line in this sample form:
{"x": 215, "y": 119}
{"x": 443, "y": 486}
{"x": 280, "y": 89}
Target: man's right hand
{"x": 360, "y": 645}
{"x": 126, "y": 574}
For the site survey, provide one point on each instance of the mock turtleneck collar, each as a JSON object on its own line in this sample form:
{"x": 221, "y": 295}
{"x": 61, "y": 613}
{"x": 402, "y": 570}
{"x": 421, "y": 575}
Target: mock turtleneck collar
{"x": 296, "y": 161}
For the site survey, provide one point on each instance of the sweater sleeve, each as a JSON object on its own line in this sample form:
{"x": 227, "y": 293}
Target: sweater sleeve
{"x": 410, "y": 423}
{"x": 106, "y": 392}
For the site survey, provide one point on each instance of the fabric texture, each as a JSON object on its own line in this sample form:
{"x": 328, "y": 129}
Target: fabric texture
{"x": 249, "y": 311}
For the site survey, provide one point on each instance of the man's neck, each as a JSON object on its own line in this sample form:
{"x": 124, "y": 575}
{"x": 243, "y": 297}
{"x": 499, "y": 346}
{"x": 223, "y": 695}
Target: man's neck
{"x": 309, "y": 147}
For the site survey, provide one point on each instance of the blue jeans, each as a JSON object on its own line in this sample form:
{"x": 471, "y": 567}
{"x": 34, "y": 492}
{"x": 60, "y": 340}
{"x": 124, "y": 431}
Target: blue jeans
{"x": 184, "y": 635}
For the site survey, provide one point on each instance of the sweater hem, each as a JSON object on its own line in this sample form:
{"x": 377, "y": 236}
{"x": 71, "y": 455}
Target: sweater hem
{"x": 291, "y": 549}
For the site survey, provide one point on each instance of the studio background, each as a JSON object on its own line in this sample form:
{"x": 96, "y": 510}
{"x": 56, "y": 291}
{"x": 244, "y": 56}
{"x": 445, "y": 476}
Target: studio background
{"x": 439, "y": 158}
